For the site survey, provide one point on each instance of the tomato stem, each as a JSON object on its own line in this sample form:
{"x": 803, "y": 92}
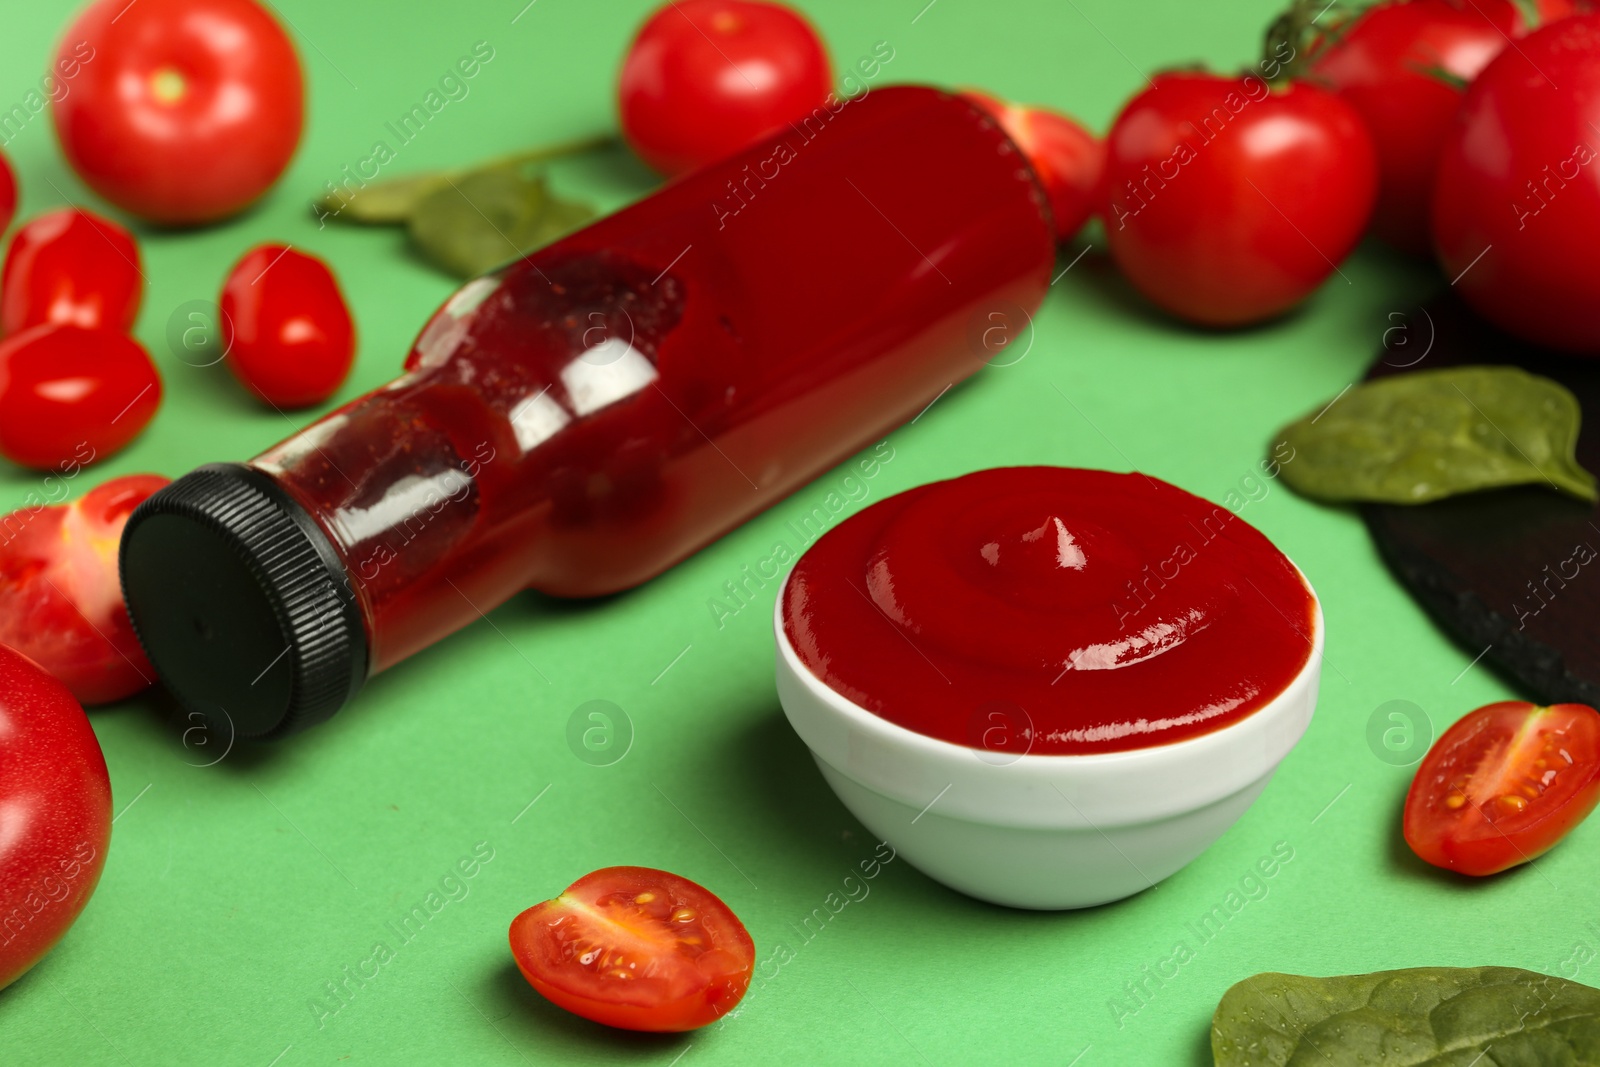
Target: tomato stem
{"x": 1304, "y": 29}
{"x": 1529, "y": 10}
{"x": 559, "y": 150}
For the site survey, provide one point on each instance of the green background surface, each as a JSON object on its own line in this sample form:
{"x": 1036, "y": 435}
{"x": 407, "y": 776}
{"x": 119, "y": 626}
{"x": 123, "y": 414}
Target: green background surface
{"x": 233, "y": 892}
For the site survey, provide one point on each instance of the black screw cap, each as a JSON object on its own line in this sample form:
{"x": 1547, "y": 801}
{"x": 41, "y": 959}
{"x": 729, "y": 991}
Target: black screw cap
{"x": 242, "y": 604}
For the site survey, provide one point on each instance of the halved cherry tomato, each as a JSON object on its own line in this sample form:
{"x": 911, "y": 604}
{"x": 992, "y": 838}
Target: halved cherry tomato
{"x": 69, "y": 394}
{"x": 60, "y": 597}
{"x": 286, "y": 330}
{"x": 705, "y": 78}
{"x": 636, "y": 948}
{"x": 1503, "y": 785}
{"x": 1069, "y": 160}
{"x": 182, "y": 111}
{"x": 55, "y": 810}
{"x": 69, "y": 266}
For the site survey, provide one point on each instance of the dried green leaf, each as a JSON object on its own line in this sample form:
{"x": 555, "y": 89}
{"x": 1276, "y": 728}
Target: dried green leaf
{"x": 386, "y": 203}
{"x": 1417, "y": 437}
{"x": 1420, "y": 1017}
{"x": 465, "y": 226}
{"x": 395, "y": 201}
{"x": 559, "y": 218}
{"x": 487, "y": 217}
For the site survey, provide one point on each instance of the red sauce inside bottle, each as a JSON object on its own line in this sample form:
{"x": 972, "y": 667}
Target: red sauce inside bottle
{"x": 1084, "y": 611}
{"x": 586, "y": 417}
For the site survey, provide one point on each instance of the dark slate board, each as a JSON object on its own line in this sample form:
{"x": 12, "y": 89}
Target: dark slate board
{"x": 1513, "y": 574}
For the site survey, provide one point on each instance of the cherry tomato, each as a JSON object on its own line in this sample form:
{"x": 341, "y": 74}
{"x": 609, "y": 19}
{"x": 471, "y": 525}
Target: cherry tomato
{"x": 635, "y": 948}
{"x": 1069, "y": 160}
{"x": 285, "y": 327}
{"x": 1393, "y": 64}
{"x": 70, "y": 395}
{"x": 1231, "y": 201}
{"x": 8, "y": 193}
{"x": 705, "y": 78}
{"x": 1503, "y": 785}
{"x": 56, "y": 800}
{"x": 60, "y": 597}
{"x": 186, "y": 111}
{"x": 68, "y": 266}
{"x": 1516, "y": 209}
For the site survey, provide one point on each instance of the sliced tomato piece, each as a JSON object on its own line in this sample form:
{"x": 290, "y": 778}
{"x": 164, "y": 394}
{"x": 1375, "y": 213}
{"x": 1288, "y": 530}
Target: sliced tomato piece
{"x": 1504, "y": 785}
{"x": 1069, "y": 160}
{"x": 60, "y": 599}
{"x": 636, "y": 948}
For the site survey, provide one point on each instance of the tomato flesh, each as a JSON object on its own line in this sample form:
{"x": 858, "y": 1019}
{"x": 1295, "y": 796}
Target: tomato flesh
{"x": 60, "y": 597}
{"x": 1504, "y": 785}
{"x": 636, "y": 948}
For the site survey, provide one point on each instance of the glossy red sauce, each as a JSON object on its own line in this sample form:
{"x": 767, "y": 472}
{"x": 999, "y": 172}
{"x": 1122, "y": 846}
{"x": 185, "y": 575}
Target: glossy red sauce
{"x": 584, "y": 418}
{"x": 1050, "y": 610}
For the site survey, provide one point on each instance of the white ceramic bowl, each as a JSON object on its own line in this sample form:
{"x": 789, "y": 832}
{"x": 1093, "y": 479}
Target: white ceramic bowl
{"x": 1042, "y": 831}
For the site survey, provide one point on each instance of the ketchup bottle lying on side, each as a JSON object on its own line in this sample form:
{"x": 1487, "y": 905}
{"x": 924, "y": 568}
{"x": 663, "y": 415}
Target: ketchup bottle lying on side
{"x": 585, "y": 417}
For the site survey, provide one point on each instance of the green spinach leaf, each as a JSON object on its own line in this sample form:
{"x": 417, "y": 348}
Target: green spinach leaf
{"x": 476, "y": 222}
{"x": 472, "y": 220}
{"x": 385, "y": 203}
{"x": 1421, "y": 1017}
{"x": 1418, "y": 437}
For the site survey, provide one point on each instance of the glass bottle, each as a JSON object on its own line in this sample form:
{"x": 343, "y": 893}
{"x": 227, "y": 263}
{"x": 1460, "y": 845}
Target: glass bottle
{"x": 585, "y": 417}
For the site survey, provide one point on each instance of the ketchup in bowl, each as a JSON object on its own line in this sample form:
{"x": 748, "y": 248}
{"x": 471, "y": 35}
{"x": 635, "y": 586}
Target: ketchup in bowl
{"x": 1101, "y": 611}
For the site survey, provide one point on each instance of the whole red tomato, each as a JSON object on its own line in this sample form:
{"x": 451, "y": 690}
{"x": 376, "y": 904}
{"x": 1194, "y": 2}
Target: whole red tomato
{"x": 73, "y": 395}
{"x": 55, "y": 797}
{"x": 1516, "y": 208}
{"x": 1231, "y": 201}
{"x": 1395, "y": 64}
{"x": 8, "y": 192}
{"x": 1503, "y": 785}
{"x": 60, "y": 597}
{"x": 69, "y": 266}
{"x": 286, "y": 329}
{"x": 189, "y": 109}
{"x": 705, "y": 78}
{"x": 1069, "y": 160}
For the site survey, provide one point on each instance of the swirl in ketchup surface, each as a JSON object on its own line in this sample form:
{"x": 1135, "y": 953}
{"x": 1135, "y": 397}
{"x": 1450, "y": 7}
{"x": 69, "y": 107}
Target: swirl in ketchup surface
{"x": 1102, "y": 611}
